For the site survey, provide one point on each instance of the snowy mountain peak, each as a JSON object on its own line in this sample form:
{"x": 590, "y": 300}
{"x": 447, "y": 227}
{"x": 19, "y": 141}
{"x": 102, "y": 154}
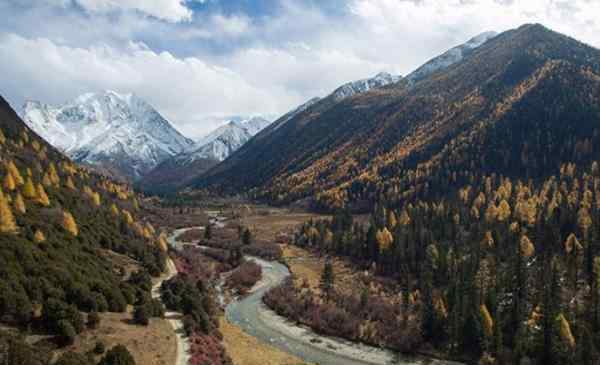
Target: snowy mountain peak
{"x": 361, "y": 86}
{"x": 223, "y": 141}
{"x": 108, "y": 128}
{"x": 449, "y": 57}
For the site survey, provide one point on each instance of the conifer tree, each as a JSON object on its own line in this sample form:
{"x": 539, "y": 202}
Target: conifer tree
{"x": 7, "y": 220}
{"x": 42, "y": 197}
{"x": 9, "y": 182}
{"x": 69, "y": 223}
{"x": 12, "y": 168}
{"x": 29, "y": 191}
{"x": 327, "y": 280}
{"x": 19, "y": 204}
{"x": 69, "y": 183}
{"x": 39, "y": 236}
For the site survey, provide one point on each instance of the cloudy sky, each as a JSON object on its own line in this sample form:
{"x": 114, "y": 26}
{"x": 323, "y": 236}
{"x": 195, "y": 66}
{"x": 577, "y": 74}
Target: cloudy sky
{"x": 199, "y": 61}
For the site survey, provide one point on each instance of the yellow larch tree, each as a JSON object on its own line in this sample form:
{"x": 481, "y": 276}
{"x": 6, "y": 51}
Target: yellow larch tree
{"x": 69, "y": 223}
{"x": 42, "y": 197}
{"x": 2, "y": 137}
{"x": 127, "y": 216}
{"x": 7, "y": 220}
{"x": 565, "y": 331}
{"x": 487, "y": 321}
{"x": 9, "y": 182}
{"x": 162, "y": 242}
{"x": 54, "y": 178}
{"x": 39, "y": 236}
{"x": 69, "y": 183}
{"x": 384, "y": 239}
{"x": 527, "y": 247}
{"x": 19, "y": 204}
{"x": 114, "y": 210}
{"x": 29, "y": 191}
{"x": 14, "y": 171}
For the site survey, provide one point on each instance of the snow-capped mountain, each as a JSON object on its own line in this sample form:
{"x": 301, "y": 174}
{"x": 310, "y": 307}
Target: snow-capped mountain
{"x": 450, "y": 57}
{"x": 116, "y": 131}
{"x": 224, "y": 140}
{"x": 207, "y": 152}
{"x": 361, "y": 86}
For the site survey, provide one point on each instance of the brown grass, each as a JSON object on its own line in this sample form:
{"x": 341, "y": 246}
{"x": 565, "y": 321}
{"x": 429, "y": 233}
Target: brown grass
{"x": 247, "y": 350}
{"x": 154, "y": 344}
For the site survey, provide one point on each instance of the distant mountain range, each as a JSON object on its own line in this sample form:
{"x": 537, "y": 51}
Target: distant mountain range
{"x": 207, "y": 152}
{"x": 121, "y": 133}
{"x": 517, "y": 104}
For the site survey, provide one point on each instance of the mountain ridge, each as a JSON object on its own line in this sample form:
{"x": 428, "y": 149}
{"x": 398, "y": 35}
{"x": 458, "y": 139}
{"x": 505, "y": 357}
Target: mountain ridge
{"x": 337, "y": 154}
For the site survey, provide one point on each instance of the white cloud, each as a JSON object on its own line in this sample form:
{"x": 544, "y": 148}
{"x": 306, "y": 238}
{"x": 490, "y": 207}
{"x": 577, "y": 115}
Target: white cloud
{"x": 222, "y": 64}
{"x": 169, "y": 10}
{"x": 185, "y": 90}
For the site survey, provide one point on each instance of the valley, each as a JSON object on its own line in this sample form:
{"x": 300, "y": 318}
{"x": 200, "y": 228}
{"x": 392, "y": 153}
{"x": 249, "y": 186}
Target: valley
{"x": 447, "y": 216}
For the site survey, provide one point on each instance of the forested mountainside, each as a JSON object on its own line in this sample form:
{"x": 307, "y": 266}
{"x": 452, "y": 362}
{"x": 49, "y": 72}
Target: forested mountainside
{"x": 519, "y": 105}
{"x": 501, "y": 271}
{"x": 59, "y": 225}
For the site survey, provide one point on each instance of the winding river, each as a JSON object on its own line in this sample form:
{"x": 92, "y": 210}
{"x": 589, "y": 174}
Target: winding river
{"x": 254, "y": 318}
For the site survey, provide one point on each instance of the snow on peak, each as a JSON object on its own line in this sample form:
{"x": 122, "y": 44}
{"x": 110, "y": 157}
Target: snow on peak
{"x": 223, "y": 141}
{"x": 96, "y": 127}
{"x": 450, "y": 57}
{"x": 361, "y": 86}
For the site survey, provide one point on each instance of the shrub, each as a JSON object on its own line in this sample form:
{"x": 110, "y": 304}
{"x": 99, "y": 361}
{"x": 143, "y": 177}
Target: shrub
{"x": 93, "y": 320}
{"x": 99, "y": 348}
{"x": 66, "y": 331}
{"x": 118, "y": 355}
{"x": 142, "y": 314}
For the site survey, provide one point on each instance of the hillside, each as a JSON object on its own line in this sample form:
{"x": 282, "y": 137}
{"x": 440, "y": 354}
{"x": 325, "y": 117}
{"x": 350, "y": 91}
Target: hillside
{"x": 59, "y": 226}
{"x": 520, "y": 104}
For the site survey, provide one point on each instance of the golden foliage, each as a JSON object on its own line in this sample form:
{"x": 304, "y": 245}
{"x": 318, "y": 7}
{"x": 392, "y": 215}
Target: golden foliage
{"x": 384, "y": 239}
{"x": 14, "y": 171}
{"x": 404, "y": 218}
{"x": 114, "y": 210}
{"x": 69, "y": 223}
{"x": 9, "y": 182}
{"x": 42, "y": 197}
{"x": 572, "y": 243}
{"x": 488, "y": 240}
{"x": 491, "y": 213}
{"x": 565, "y": 331}
{"x": 7, "y": 220}
{"x": 39, "y": 236}
{"x": 391, "y": 219}
{"x": 29, "y": 191}
{"x": 127, "y": 216}
{"x": 162, "y": 242}
{"x": 19, "y": 204}
{"x": 527, "y": 247}
{"x": 2, "y": 137}
{"x": 69, "y": 183}
{"x": 486, "y": 320}
{"x": 503, "y": 212}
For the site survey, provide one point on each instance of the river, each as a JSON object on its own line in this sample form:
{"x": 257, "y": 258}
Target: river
{"x": 254, "y": 318}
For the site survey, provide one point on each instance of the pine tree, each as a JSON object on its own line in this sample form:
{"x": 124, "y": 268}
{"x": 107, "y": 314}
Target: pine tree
{"x": 7, "y": 220}
{"x": 69, "y": 223}
{"x": 327, "y": 279}
{"x": 208, "y": 232}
